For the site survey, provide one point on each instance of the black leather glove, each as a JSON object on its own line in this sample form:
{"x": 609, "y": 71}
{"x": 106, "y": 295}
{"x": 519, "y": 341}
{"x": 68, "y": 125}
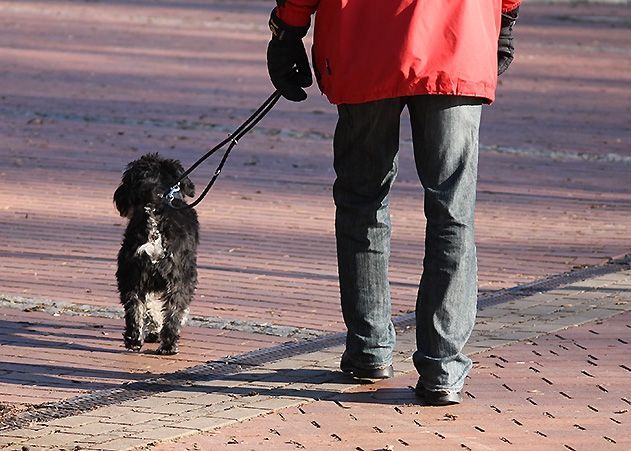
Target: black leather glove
{"x": 505, "y": 49}
{"x": 287, "y": 61}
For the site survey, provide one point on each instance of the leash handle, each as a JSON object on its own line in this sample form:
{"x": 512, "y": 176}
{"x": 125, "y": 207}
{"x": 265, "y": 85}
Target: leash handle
{"x": 233, "y": 139}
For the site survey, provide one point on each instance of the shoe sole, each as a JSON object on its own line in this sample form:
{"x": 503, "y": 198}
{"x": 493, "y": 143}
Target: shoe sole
{"x": 435, "y": 399}
{"x": 369, "y": 374}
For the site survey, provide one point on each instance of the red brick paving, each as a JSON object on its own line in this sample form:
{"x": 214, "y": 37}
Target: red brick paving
{"x": 87, "y": 86}
{"x": 568, "y": 390}
{"x": 47, "y": 358}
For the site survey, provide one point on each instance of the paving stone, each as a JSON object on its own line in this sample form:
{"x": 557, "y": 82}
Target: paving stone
{"x": 250, "y": 375}
{"x": 114, "y": 411}
{"x": 558, "y": 294}
{"x": 275, "y": 403}
{"x": 161, "y": 432}
{"x": 148, "y": 402}
{"x": 267, "y": 385}
{"x": 92, "y": 441}
{"x": 207, "y": 423}
{"x": 32, "y": 432}
{"x": 405, "y": 366}
{"x": 218, "y": 385}
{"x": 100, "y": 427}
{"x": 491, "y": 342}
{"x": 21, "y": 446}
{"x": 121, "y": 444}
{"x": 493, "y": 313}
{"x": 471, "y": 349}
{"x": 617, "y": 307}
{"x": 536, "y": 327}
{"x": 182, "y": 416}
{"x": 296, "y": 390}
{"x": 241, "y": 413}
{"x": 10, "y": 441}
{"x": 74, "y": 421}
{"x": 513, "y": 334}
{"x": 485, "y": 325}
{"x": 318, "y": 357}
{"x": 57, "y": 440}
{"x": 135, "y": 417}
{"x": 206, "y": 399}
{"x": 543, "y": 309}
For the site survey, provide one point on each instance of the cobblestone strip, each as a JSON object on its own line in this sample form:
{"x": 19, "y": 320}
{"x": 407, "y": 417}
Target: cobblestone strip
{"x": 56, "y": 308}
{"x": 202, "y": 405}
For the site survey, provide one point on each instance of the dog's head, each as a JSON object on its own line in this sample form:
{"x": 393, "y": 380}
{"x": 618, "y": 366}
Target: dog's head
{"x": 146, "y": 179}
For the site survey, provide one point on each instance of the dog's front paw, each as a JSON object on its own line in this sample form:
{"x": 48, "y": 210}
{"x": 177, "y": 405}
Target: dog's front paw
{"x": 133, "y": 343}
{"x": 168, "y": 349}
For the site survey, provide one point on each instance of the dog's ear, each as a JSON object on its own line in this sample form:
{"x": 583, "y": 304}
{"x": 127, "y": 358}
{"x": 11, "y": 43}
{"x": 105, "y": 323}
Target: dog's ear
{"x": 186, "y": 186}
{"x": 121, "y": 199}
{"x": 122, "y": 196}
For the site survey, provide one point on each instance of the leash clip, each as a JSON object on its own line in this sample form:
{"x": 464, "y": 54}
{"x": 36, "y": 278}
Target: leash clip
{"x": 170, "y": 196}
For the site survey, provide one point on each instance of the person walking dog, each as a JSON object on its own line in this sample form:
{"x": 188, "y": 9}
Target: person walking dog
{"x": 440, "y": 59}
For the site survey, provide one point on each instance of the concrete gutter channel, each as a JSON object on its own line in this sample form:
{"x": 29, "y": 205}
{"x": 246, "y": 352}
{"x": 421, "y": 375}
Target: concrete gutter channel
{"x": 512, "y": 301}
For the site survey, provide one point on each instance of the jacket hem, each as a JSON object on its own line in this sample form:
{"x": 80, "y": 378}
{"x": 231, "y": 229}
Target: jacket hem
{"x": 488, "y": 95}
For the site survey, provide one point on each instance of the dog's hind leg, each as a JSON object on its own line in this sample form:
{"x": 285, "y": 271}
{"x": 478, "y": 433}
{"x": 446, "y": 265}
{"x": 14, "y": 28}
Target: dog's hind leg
{"x": 175, "y": 313}
{"x": 154, "y": 319}
{"x": 135, "y": 311}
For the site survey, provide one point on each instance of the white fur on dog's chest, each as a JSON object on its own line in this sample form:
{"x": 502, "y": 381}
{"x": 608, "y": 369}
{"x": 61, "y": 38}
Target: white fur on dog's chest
{"x": 154, "y": 247}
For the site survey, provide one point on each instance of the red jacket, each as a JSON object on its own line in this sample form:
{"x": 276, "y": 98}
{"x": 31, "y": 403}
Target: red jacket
{"x": 374, "y": 49}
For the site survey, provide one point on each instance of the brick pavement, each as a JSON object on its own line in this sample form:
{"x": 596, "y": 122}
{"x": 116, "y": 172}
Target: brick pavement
{"x": 87, "y": 86}
{"x": 547, "y": 365}
{"x": 567, "y": 390}
{"x": 67, "y": 140}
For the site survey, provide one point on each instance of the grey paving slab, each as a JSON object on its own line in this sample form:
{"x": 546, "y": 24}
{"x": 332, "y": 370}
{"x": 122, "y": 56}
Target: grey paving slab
{"x": 32, "y": 432}
{"x": 161, "y": 432}
{"x": 132, "y": 417}
{"x": 59, "y": 439}
{"x": 277, "y": 402}
{"x": 75, "y": 421}
{"x": 204, "y": 399}
{"x": 206, "y": 423}
{"x": 103, "y": 427}
{"x": 174, "y": 408}
{"x": 217, "y": 384}
{"x": 241, "y": 413}
{"x": 121, "y": 444}
{"x": 148, "y": 402}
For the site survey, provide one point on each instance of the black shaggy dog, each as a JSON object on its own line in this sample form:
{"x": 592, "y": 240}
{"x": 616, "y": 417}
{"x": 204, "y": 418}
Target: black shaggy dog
{"x": 157, "y": 262}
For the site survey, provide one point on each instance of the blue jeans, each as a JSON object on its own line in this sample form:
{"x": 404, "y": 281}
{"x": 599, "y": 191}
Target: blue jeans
{"x": 366, "y": 144}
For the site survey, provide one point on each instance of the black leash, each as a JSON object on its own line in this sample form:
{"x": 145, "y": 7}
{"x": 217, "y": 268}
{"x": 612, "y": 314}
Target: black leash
{"x": 173, "y": 192}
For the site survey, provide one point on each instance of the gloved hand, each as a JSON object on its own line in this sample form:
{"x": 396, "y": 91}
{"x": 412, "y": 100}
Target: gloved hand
{"x": 287, "y": 61}
{"x": 505, "y": 49}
